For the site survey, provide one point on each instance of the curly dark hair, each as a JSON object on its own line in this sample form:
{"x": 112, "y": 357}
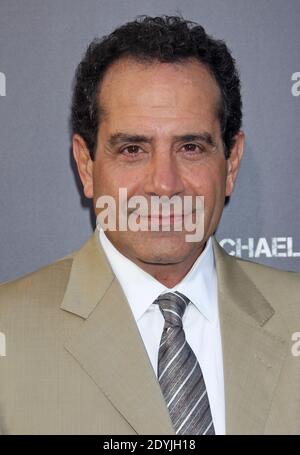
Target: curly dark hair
{"x": 165, "y": 39}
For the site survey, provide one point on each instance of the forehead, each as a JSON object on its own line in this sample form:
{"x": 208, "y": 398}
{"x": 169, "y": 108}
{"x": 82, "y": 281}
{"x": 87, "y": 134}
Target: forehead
{"x": 159, "y": 89}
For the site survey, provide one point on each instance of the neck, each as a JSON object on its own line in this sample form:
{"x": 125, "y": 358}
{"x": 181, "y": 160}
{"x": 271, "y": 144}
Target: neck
{"x": 169, "y": 274}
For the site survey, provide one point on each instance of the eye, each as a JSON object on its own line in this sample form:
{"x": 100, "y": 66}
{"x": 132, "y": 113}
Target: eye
{"x": 193, "y": 148}
{"x": 131, "y": 151}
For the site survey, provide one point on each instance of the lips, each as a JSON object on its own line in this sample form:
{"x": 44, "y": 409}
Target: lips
{"x": 164, "y": 217}
{"x": 160, "y": 220}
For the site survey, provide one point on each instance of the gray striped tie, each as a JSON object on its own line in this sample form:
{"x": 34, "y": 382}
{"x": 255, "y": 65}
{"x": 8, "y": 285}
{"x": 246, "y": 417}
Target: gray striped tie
{"x": 179, "y": 373}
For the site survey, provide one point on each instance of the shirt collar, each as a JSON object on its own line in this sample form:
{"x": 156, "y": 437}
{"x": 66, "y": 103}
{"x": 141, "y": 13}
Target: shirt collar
{"x": 141, "y": 289}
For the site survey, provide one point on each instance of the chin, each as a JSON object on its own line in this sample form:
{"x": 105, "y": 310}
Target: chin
{"x": 160, "y": 258}
{"x": 164, "y": 251}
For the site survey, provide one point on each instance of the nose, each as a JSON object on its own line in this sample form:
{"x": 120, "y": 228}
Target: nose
{"x": 163, "y": 176}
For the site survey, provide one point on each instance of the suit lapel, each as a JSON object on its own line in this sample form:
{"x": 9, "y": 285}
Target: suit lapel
{"x": 108, "y": 344}
{"x": 253, "y": 357}
{"x": 109, "y": 347}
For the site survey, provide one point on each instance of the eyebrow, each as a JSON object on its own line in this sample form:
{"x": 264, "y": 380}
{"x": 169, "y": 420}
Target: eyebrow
{"x": 119, "y": 138}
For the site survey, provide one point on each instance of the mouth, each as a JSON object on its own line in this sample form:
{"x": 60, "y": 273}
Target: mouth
{"x": 172, "y": 219}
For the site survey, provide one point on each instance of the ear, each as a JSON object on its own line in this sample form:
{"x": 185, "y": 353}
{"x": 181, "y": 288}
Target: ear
{"x": 234, "y": 161}
{"x": 84, "y": 164}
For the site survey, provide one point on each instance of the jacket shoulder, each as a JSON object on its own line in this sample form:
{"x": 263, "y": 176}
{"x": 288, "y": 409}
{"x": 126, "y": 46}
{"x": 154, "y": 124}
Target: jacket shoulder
{"x": 43, "y": 285}
{"x": 269, "y": 276}
{"x": 281, "y": 288}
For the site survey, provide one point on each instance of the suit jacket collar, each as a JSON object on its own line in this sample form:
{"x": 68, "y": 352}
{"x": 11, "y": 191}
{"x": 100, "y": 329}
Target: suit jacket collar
{"x": 90, "y": 277}
{"x": 254, "y": 346}
{"x": 108, "y": 344}
{"x": 109, "y": 347}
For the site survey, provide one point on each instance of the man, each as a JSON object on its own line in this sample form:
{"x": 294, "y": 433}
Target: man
{"x": 142, "y": 331}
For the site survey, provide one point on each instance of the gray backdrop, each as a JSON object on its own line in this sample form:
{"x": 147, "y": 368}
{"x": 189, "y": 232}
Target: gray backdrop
{"x": 43, "y": 214}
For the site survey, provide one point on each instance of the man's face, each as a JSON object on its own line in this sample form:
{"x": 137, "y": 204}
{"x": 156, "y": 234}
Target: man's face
{"x": 162, "y": 102}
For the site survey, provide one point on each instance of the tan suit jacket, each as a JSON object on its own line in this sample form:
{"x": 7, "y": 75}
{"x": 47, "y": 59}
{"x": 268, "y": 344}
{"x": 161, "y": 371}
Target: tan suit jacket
{"x": 75, "y": 362}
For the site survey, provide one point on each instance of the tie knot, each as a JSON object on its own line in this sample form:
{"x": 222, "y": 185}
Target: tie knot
{"x": 172, "y": 305}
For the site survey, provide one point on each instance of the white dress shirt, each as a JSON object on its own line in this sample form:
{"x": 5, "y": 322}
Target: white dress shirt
{"x": 200, "y": 320}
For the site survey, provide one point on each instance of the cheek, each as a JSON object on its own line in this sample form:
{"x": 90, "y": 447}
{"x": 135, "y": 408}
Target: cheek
{"x": 108, "y": 178}
{"x": 206, "y": 180}
{"x": 210, "y": 182}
